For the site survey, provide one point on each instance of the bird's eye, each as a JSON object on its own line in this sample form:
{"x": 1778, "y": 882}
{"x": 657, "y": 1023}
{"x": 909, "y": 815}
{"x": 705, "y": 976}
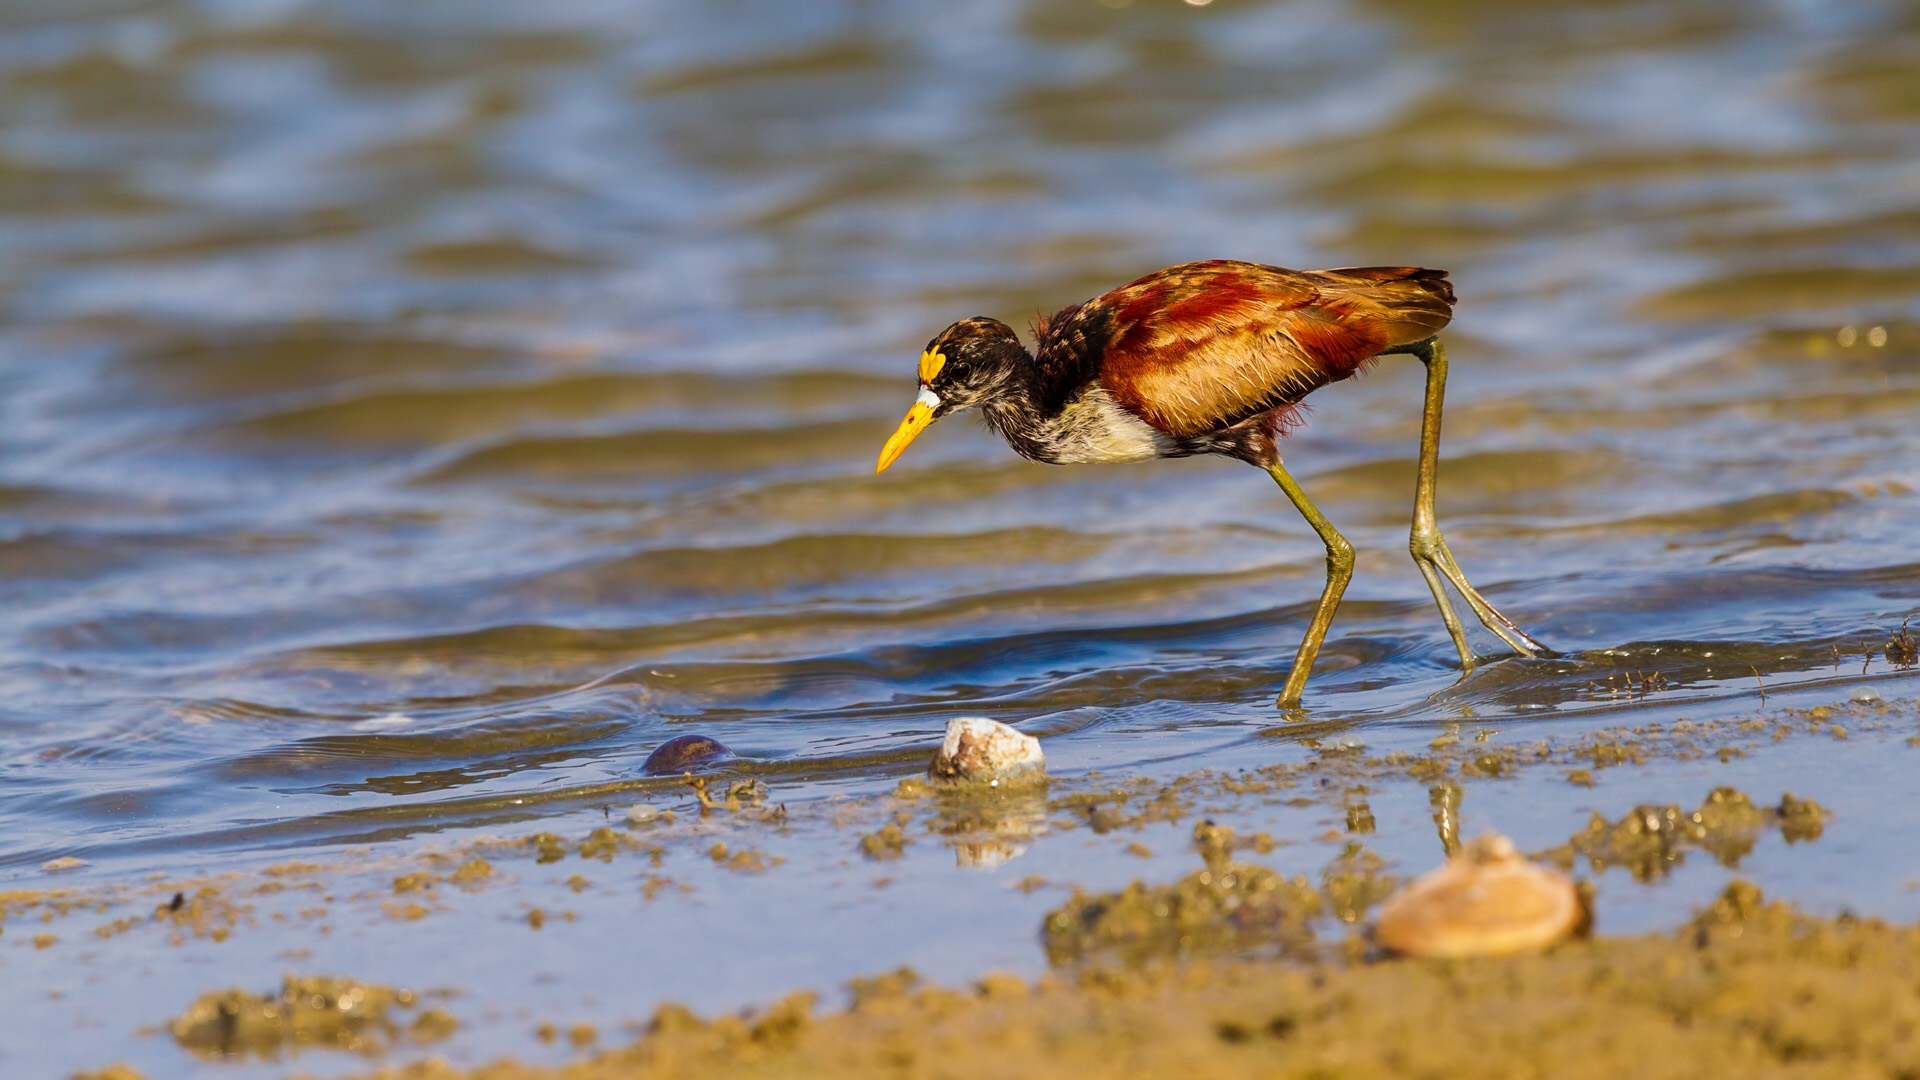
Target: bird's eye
{"x": 960, "y": 369}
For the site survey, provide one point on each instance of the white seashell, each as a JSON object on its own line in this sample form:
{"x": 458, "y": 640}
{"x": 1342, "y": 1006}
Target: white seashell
{"x": 979, "y": 750}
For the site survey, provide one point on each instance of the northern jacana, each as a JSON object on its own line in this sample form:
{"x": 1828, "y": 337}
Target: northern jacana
{"x": 1213, "y": 358}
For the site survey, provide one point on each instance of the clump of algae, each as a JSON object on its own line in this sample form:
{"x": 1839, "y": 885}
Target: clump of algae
{"x": 209, "y": 912}
{"x": 889, "y": 842}
{"x": 1650, "y": 840}
{"x": 310, "y": 1011}
{"x": 1747, "y": 988}
{"x": 1228, "y": 904}
{"x": 472, "y": 874}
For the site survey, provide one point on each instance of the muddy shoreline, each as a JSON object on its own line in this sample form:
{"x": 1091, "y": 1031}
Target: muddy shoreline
{"x": 1196, "y": 949}
{"x": 1746, "y": 988}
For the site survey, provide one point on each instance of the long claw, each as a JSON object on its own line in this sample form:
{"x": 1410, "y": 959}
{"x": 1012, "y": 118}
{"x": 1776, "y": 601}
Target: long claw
{"x": 1447, "y": 615}
{"x": 1490, "y": 616}
{"x": 1429, "y": 548}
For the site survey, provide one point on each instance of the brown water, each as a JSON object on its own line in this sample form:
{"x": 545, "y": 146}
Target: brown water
{"x": 416, "y": 413}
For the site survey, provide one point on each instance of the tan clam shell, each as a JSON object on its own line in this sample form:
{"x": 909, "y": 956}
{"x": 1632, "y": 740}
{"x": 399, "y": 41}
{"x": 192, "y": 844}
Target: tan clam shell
{"x": 1486, "y": 901}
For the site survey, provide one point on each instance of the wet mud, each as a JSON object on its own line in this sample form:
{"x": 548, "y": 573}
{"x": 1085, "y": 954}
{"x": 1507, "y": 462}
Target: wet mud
{"x": 1746, "y": 988}
{"x": 1231, "y": 917}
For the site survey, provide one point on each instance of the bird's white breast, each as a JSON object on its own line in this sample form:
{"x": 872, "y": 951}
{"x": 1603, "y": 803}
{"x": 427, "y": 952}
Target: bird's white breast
{"x": 1093, "y": 427}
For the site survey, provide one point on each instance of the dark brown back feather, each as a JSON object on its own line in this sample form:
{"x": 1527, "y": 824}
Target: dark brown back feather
{"x": 1202, "y": 346}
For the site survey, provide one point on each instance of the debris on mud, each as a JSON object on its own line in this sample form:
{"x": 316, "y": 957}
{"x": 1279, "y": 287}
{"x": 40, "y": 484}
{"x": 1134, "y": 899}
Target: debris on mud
{"x": 472, "y": 873}
{"x": 886, "y": 843}
{"x": 1360, "y": 817}
{"x": 602, "y": 843}
{"x": 1631, "y": 684}
{"x": 1800, "y": 819}
{"x": 1226, "y": 905}
{"x": 748, "y": 861}
{"x": 1650, "y": 840}
{"x": 1902, "y": 650}
{"x": 551, "y": 848}
{"x": 1355, "y": 881}
{"x": 209, "y": 912}
{"x": 307, "y": 1011}
{"x": 748, "y": 792}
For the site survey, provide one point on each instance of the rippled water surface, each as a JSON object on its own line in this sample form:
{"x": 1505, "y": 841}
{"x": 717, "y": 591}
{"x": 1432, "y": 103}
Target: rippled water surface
{"x": 412, "y": 414}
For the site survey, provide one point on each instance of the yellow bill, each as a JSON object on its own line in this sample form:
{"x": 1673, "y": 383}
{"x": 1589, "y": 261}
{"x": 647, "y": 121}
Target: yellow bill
{"x": 916, "y": 422}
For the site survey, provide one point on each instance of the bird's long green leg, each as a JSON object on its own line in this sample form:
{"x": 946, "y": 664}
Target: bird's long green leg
{"x": 1339, "y": 572}
{"x": 1429, "y": 548}
{"x": 1447, "y": 614}
{"x": 1425, "y": 540}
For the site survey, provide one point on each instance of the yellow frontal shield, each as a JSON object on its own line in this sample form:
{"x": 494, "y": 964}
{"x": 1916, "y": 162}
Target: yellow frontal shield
{"x": 916, "y": 422}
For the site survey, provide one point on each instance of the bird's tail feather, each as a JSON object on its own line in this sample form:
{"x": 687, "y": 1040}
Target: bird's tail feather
{"x": 1412, "y": 303}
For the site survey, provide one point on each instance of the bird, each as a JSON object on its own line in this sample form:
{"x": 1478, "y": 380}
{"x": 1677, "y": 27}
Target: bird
{"x": 1214, "y": 357}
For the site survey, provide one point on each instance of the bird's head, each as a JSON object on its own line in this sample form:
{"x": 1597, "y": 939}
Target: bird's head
{"x": 967, "y": 364}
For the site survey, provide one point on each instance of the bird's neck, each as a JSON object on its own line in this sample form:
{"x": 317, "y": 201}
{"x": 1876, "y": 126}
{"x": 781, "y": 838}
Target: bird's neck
{"x": 1014, "y": 410}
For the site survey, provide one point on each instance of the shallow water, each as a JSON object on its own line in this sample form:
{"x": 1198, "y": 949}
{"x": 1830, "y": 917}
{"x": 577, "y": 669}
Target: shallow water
{"x": 416, "y": 414}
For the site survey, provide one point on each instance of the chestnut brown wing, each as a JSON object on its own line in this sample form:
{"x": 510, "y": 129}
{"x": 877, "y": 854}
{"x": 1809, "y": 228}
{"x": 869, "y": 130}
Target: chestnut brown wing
{"x": 1198, "y": 347}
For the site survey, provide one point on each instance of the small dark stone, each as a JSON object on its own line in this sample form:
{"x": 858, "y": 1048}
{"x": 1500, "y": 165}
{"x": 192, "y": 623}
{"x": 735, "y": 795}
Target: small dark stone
{"x": 179, "y": 901}
{"x": 683, "y": 753}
